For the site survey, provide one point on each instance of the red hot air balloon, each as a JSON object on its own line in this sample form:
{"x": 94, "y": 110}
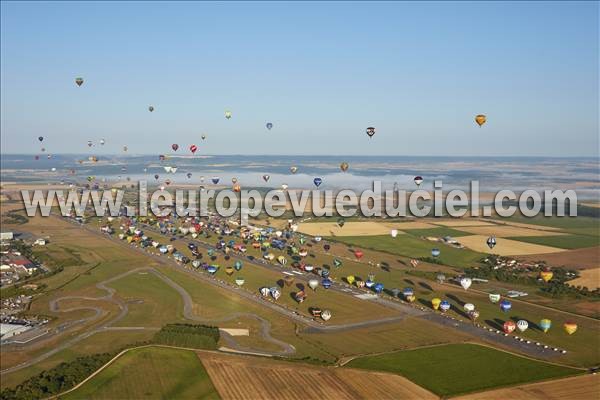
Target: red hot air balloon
{"x": 358, "y": 254}
{"x": 193, "y": 148}
{"x": 509, "y": 326}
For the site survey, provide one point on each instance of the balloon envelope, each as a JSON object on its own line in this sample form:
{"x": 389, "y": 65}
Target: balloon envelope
{"x": 466, "y": 283}
{"x": 480, "y": 119}
{"x": 545, "y": 324}
{"x": 317, "y": 181}
{"x": 505, "y": 305}
{"x": 435, "y": 303}
{"x": 522, "y": 325}
{"x": 509, "y": 326}
{"x": 494, "y": 297}
{"x": 570, "y": 327}
{"x": 269, "y": 125}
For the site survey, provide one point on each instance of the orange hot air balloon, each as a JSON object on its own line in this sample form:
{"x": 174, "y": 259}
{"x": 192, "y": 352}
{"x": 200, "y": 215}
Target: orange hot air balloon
{"x": 570, "y": 327}
{"x": 546, "y": 275}
{"x": 480, "y": 119}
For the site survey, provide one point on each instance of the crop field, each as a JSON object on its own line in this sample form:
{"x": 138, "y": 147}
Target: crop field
{"x": 589, "y": 278}
{"x": 454, "y": 369}
{"x": 151, "y": 373}
{"x": 505, "y": 247}
{"x": 563, "y": 242}
{"x": 582, "y": 387}
{"x": 576, "y": 259}
{"x": 242, "y": 377}
{"x": 502, "y": 231}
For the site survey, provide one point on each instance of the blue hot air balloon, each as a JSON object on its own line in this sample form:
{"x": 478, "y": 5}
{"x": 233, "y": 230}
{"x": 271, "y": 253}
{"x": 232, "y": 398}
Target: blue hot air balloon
{"x": 269, "y": 125}
{"x": 505, "y": 305}
{"x": 444, "y": 305}
{"x": 237, "y": 265}
{"x": 378, "y": 287}
{"x": 215, "y": 180}
{"x": 212, "y": 269}
{"x": 317, "y": 181}
{"x": 435, "y": 252}
{"x": 408, "y": 291}
{"x": 369, "y": 283}
{"x": 324, "y": 272}
{"x": 326, "y": 283}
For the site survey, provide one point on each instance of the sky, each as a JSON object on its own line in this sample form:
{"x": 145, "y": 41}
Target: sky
{"x": 319, "y": 72}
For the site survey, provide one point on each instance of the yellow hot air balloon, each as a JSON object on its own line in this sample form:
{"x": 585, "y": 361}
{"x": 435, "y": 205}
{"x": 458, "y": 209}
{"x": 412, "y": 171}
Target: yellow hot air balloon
{"x": 411, "y": 298}
{"x": 350, "y": 279}
{"x": 480, "y": 119}
{"x": 282, "y": 260}
{"x": 435, "y": 303}
{"x": 546, "y": 275}
{"x": 570, "y": 327}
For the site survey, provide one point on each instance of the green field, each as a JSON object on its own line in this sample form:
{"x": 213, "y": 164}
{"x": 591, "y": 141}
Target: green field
{"x": 454, "y": 369}
{"x": 575, "y": 225}
{"x": 562, "y": 241}
{"x": 435, "y": 232}
{"x": 150, "y": 373}
{"x": 409, "y": 246}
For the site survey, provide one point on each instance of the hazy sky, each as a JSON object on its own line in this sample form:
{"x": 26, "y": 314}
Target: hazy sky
{"x": 320, "y": 72}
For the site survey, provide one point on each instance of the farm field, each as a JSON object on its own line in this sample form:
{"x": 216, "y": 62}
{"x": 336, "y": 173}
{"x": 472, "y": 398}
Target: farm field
{"x": 454, "y": 369}
{"x": 237, "y": 377}
{"x": 589, "y": 278}
{"x": 152, "y": 373}
{"x": 582, "y": 387}
{"x": 563, "y": 241}
{"x": 505, "y": 246}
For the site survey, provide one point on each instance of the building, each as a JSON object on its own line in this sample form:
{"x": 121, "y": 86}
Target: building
{"x": 7, "y": 236}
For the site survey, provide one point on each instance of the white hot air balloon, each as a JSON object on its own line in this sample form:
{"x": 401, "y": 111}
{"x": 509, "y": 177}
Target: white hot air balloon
{"x": 313, "y": 284}
{"x": 522, "y": 325}
{"x": 469, "y": 307}
{"x": 466, "y": 283}
{"x": 394, "y": 233}
{"x": 326, "y": 315}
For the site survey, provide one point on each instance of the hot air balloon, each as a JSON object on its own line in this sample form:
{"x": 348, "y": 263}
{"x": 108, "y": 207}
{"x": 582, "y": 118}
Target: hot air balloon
{"x": 350, "y": 279}
{"x": 570, "y": 327}
{"x": 41, "y": 138}
{"x": 174, "y": 146}
{"x": 394, "y": 232}
{"x": 326, "y": 283}
{"x": 229, "y": 270}
{"x": 102, "y": 142}
{"x": 545, "y": 324}
{"x": 473, "y": 315}
{"x": 193, "y": 148}
{"x": 341, "y": 222}
{"x": 300, "y": 296}
{"x": 269, "y": 125}
{"x": 378, "y": 288}
{"x": 293, "y": 169}
{"x": 282, "y": 260}
{"x": 79, "y": 81}
{"x": 264, "y": 291}
{"x": 466, "y": 283}
{"x": 435, "y": 303}
{"x": 344, "y": 166}
{"x": 150, "y": 108}
{"x": 239, "y": 281}
{"x": 336, "y": 262}
{"x": 215, "y": 180}
{"x": 414, "y": 262}
{"x": 509, "y": 327}
{"x": 418, "y": 180}
{"x": 275, "y": 292}
{"x": 522, "y": 325}
{"x": 266, "y": 178}
{"x": 161, "y": 157}
{"x": 44, "y": 149}
{"x": 317, "y": 181}
{"x": 228, "y": 114}
{"x": 546, "y": 275}
{"x": 90, "y": 143}
{"x": 237, "y": 265}
{"x": 370, "y": 131}
{"x": 435, "y": 252}
{"x": 358, "y": 254}
{"x": 411, "y": 298}
{"x": 480, "y": 119}
{"x": 494, "y": 297}
{"x": 203, "y": 137}
{"x": 313, "y": 284}
{"x": 440, "y": 278}
{"x": 189, "y": 175}
{"x": 284, "y": 186}
{"x": 408, "y": 292}
{"x": 444, "y": 305}
{"x": 156, "y": 176}
{"x": 491, "y": 242}
{"x": 212, "y": 269}
{"x": 237, "y": 188}
{"x": 468, "y": 307}
{"x": 326, "y": 315}
{"x": 124, "y": 148}
{"x": 505, "y": 305}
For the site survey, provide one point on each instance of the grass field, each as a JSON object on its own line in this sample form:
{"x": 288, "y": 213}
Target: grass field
{"x": 150, "y": 373}
{"x": 455, "y": 369}
{"x": 575, "y": 225}
{"x": 437, "y": 232}
{"x": 505, "y": 246}
{"x": 410, "y": 246}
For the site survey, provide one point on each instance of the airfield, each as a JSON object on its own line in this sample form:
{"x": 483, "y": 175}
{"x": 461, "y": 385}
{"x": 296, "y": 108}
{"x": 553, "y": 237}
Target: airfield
{"x": 112, "y": 295}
